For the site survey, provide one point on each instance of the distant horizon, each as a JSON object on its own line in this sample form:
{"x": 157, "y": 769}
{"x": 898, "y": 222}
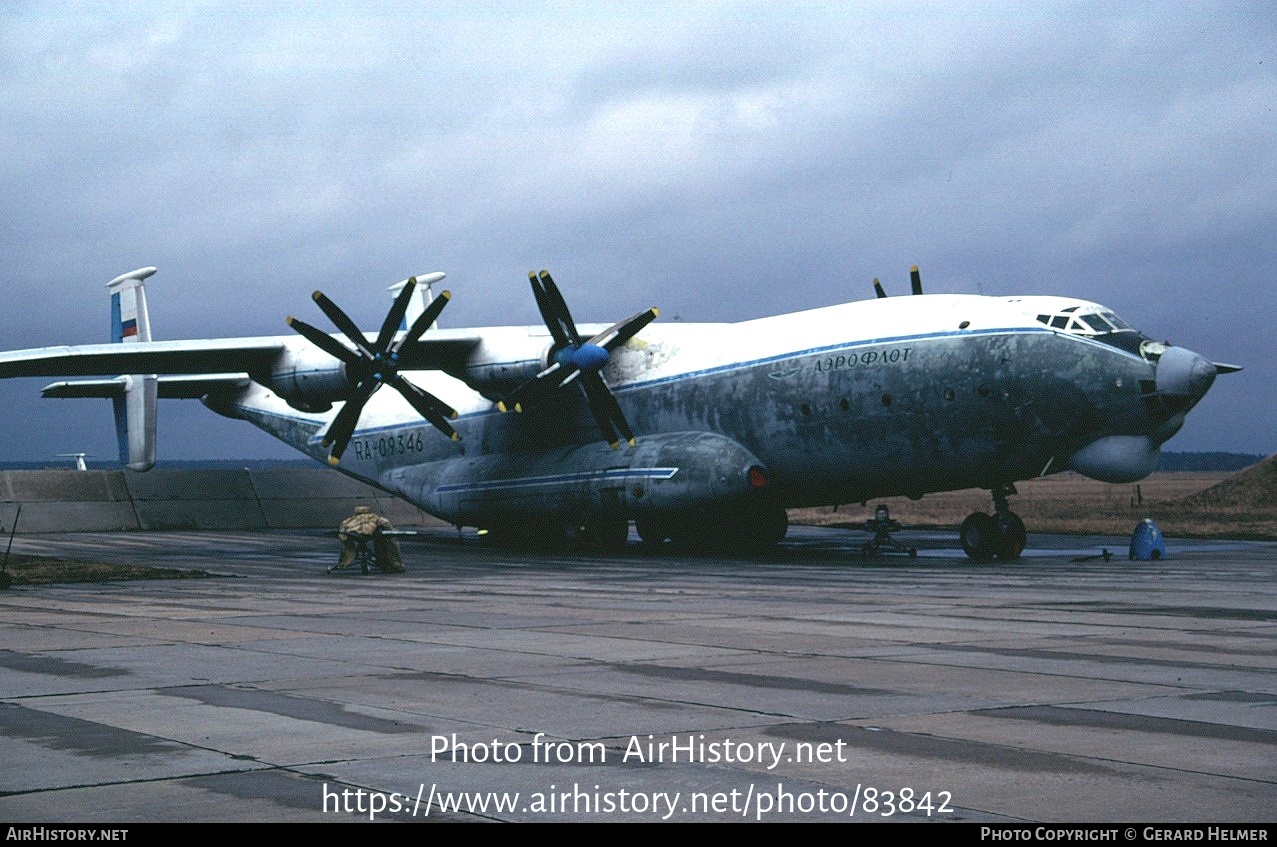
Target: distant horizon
{"x": 1171, "y": 461}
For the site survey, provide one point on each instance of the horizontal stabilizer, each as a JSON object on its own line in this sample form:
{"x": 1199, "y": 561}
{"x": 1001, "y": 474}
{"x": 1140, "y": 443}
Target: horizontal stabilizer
{"x": 170, "y": 387}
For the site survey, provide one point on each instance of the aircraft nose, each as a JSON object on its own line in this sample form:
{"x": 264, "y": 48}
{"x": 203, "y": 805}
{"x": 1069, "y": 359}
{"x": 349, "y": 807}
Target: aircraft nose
{"x": 1183, "y": 377}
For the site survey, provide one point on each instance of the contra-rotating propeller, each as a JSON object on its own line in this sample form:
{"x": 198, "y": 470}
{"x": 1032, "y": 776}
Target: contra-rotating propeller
{"x": 574, "y": 360}
{"x": 915, "y": 282}
{"x": 370, "y": 367}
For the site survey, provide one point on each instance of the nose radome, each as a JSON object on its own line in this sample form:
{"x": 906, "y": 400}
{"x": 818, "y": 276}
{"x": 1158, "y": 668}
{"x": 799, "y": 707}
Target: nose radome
{"x": 1184, "y": 375}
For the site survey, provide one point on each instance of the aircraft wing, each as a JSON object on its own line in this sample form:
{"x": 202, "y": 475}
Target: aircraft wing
{"x": 224, "y": 356}
{"x": 444, "y": 350}
{"x": 236, "y": 355}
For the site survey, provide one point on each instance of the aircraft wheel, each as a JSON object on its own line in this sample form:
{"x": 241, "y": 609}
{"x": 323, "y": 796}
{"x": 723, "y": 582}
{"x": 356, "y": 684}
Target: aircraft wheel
{"x": 1011, "y": 535}
{"x": 654, "y": 530}
{"x": 754, "y": 530}
{"x": 607, "y": 534}
{"x": 978, "y": 536}
{"x": 770, "y": 524}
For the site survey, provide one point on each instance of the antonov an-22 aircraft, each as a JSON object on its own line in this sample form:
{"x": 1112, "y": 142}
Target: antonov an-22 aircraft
{"x": 701, "y": 434}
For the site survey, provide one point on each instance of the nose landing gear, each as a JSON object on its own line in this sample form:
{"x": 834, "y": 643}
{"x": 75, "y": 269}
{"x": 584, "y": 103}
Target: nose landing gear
{"x": 1001, "y": 535}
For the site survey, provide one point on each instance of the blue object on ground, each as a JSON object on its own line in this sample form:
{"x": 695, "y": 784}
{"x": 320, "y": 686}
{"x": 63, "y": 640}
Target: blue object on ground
{"x": 1147, "y": 542}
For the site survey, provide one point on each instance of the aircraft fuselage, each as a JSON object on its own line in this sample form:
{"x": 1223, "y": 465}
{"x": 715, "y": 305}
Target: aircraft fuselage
{"x": 904, "y": 395}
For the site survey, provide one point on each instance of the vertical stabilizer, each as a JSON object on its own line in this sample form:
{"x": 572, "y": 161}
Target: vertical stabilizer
{"x": 135, "y": 410}
{"x": 422, "y": 296}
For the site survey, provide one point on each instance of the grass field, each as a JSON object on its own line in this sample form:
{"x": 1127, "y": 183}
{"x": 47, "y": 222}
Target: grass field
{"x": 49, "y": 570}
{"x": 1189, "y": 505}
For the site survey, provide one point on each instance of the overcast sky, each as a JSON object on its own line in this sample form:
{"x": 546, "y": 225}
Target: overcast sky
{"x": 722, "y": 161}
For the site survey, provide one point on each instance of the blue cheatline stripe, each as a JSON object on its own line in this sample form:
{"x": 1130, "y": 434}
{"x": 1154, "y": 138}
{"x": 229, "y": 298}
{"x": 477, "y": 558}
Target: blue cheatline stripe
{"x": 561, "y": 479}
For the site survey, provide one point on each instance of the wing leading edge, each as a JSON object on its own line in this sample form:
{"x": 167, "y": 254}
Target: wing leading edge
{"x": 210, "y": 356}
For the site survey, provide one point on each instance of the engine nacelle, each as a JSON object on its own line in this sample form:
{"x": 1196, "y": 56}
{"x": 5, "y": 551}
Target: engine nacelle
{"x": 496, "y": 380}
{"x": 505, "y": 360}
{"x": 309, "y": 379}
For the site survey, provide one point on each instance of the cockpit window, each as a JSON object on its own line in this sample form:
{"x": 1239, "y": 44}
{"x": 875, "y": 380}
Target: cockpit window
{"x": 1086, "y": 320}
{"x": 1112, "y": 318}
{"x": 1080, "y": 319}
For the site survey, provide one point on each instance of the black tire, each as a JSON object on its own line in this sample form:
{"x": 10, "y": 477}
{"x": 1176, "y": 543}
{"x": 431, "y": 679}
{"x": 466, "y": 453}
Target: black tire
{"x": 978, "y": 536}
{"x": 766, "y": 526}
{"x": 753, "y": 530}
{"x": 653, "y": 530}
{"x": 607, "y": 534}
{"x": 1011, "y": 535}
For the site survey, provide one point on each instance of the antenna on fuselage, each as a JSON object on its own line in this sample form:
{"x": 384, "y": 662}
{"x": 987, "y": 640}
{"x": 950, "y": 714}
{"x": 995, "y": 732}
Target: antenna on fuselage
{"x": 878, "y": 289}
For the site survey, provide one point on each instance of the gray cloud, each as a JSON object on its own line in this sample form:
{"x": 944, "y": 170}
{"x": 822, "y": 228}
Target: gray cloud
{"x": 723, "y": 161}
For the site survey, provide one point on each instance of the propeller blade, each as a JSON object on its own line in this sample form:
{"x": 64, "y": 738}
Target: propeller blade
{"x": 343, "y": 426}
{"x": 395, "y": 316}
{"x": 344, "y": 323}
{"x": 574, "y": 361}
{"x": 559, "y": 307}
{"x": 878, "y": 289}
{"x": 572, "y": 375}
{"x": 594, "y": 395}
{"x": 619, "y": 333}
{"x": 423, "y": 321}
{"x": 324, "y": 341}
{"x": 915, "y": 279}
{"x": 546, "y": 308}
{"x": 427, "y": 405}
{"x": 599, "y": 394}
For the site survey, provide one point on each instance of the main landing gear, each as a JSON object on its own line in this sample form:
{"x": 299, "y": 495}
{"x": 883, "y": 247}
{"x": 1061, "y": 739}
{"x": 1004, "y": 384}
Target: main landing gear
{"x": 1000, "y": 535}
{"x": 750, "y": 530}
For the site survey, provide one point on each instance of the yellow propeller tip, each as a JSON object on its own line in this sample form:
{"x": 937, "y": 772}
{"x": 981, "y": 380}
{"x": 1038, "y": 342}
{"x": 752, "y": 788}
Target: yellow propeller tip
{"x": 656, "y": 313}
{"x": 334, "y": 460}
{"x": 913, "y": 269}
{"x": 445, "y": 294}
{"x": 518, "y": 408}
{"x": 615, "y": 445}
{"x": 316, "y": 294}
{"x": 456, "y": 437}
{"x": 631, "y": 442}
{"x": 453, "y": 415}
{"x": 501, "y": 407}
{"x": 289, "y": 320}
